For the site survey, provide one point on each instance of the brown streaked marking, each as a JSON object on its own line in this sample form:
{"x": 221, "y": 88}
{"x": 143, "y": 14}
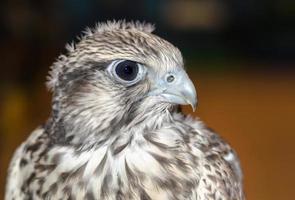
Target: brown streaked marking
{"x": 105, "y": 190}
{"x": 23, "y": 162}
{"x": 212, "y": 178}
{"x": 34, "y": 147}
{"x": 167, "y": 183}
{"x": 148, "y": 138}
{"x": 89, "y": 195}
{"x": 101, "y": 165}
{"x": 67, "y": 190}
{"x": 28, "y": 181}
{"x": 133, "y": 181}
{"x": 218, "y": 173}
{"x": 44, "y": 167}
{"x": 208, "y": 167}
{"x": 144, "y": 195}
{"x": 53, "y": 188}
{"x": 163, "y": 161}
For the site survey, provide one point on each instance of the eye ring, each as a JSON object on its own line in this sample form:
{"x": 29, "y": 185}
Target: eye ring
{"x": 126, "y": 71}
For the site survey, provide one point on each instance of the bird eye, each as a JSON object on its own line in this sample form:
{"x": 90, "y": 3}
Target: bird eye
{"x": 127, "y": 70}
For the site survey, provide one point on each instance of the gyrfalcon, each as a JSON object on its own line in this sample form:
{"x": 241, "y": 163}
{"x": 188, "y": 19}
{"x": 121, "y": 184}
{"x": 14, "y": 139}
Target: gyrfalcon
{"x": 116, "y": 131}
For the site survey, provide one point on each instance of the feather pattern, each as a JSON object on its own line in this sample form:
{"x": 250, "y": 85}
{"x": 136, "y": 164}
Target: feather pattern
{"x": 106, "y": 141}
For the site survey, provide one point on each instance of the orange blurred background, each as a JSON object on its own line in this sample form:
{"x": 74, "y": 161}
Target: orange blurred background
{"x": 239, "y": 54}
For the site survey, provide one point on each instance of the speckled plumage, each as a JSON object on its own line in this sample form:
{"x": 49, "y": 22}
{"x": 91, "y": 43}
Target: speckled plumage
{"x": 107, "y": 141}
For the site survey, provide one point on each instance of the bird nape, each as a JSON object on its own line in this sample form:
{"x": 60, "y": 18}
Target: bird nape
{"x": 115, "y": 130}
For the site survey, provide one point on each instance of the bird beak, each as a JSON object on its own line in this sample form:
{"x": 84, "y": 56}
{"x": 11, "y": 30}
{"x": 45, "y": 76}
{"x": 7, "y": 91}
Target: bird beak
{"x": 177, "y": 88}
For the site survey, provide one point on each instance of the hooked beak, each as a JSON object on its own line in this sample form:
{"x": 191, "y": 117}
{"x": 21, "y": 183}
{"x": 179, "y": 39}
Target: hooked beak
{"x": 177, "y": 88}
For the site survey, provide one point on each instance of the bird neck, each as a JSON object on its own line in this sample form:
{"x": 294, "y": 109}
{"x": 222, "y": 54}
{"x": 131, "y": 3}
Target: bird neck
{"x": 84, "y": 132}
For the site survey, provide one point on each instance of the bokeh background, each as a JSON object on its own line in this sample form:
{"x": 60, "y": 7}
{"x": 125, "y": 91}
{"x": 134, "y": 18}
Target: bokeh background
{"x": 240, "y": 54}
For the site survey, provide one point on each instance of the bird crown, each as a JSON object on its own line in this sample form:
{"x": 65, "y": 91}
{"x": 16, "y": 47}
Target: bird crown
{"x": 108, "y": 26}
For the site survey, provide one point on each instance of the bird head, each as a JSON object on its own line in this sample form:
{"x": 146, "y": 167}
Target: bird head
{"x": 116, "y": 71}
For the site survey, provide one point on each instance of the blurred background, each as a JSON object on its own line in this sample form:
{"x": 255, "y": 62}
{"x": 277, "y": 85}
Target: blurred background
{"x": 240, "y": 54}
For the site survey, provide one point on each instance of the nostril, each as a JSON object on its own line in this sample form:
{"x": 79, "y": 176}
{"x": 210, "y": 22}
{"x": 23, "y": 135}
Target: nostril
{"x": 170, "y": 78}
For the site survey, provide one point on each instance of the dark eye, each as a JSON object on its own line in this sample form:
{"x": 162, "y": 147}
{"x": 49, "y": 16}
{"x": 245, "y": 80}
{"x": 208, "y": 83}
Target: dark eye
{"x": 127, "y": 70}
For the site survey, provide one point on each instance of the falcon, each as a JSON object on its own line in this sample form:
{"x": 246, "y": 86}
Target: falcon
{"x": 116, "y": 131}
